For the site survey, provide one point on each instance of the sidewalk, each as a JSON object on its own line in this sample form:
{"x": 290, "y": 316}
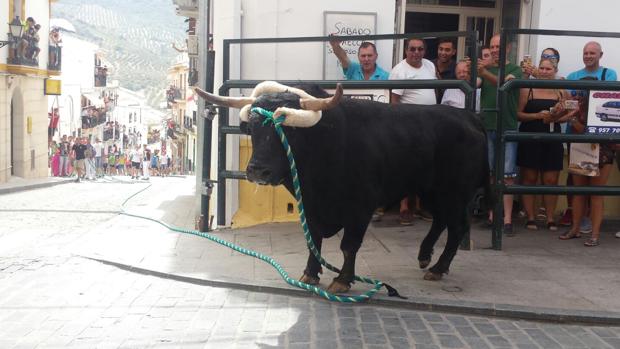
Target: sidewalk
{"x": 536, "y": 276}
{"x": 15, "y": 184}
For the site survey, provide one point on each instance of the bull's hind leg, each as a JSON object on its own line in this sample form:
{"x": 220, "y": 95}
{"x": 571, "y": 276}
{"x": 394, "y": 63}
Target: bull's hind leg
{"x": 458, "y": 225}
{"x": 313, "y": 267}
{"x": 426, "y": 248}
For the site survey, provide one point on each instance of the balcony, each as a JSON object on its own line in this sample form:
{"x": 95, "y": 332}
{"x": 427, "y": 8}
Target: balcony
{"x": 192, "y": 78}
{"x": 172, "y": 95}
{"x": 186, "y": 8}
{"x": 18, "y": 60}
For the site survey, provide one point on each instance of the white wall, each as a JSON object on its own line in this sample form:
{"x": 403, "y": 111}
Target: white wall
{"x": 593, "y": 15}
{"x": 279, "y": 18}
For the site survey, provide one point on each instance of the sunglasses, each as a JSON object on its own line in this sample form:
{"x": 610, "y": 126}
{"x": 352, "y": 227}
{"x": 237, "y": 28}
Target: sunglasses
{"x": 549, "y": 56}
{"x": 416, "y": 48}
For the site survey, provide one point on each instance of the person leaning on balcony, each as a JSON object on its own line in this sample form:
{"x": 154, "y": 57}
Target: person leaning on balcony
{"x": 366, "y": 68}
{"x": 33, "y": 49}
{"x": 577, "y": 120}
{"x": 25, "y": 40}
{"x": 55, "y": 42}
{"x": 537, "y": 114}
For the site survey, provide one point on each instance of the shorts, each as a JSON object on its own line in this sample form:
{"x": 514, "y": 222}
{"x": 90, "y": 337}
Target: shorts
{"x": 79, "y": 164}
{"x": 135, "y": 164}
{"x": 510, "y": 157}
{"x": 51, "y": 131}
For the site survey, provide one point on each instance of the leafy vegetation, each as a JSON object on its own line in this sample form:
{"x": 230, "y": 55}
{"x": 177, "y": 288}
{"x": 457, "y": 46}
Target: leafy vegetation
{"x": 135, "y": 37}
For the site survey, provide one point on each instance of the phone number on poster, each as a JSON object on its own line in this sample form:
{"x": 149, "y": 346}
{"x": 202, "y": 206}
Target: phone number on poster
{"x": 603, "y": 130}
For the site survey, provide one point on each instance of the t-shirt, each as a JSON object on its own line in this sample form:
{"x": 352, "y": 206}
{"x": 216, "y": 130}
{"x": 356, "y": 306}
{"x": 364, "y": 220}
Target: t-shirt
{"x": 98, "y": 149}
{"x": 354, "y": 72}
{"x": 456, "y": 98}
{"x": 404, "y": 71}
{"x": 79, "y": 149}
{"x": 610, "y": 75}
{"x": 488, "y": 100}
{"x": 448, "y": 73}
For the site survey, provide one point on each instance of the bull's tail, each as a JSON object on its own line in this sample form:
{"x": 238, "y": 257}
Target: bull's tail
{"x": 488, "y": 196}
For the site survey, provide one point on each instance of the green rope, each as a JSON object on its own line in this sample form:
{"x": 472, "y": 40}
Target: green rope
{"x": 302, "y": 216}
{"x": 289, "y": 280}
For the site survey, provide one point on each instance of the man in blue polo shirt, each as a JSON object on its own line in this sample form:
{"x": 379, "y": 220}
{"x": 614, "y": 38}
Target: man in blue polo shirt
{"x": 592, "y": 54}
{"x": 366, "y": 68}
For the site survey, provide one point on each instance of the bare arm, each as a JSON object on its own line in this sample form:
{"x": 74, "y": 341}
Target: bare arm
{"x": 394, "y": 98}
{"x": 340, "y": 54}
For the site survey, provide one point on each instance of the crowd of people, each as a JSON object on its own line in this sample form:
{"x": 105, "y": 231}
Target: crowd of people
{"x": 527, "y": 110}
{"x": 85, "y": 160}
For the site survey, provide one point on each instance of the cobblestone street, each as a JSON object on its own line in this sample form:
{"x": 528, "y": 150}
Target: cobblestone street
{"x": 52, "y": 297}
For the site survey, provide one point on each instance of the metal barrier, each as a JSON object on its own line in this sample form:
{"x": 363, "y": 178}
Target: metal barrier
{"x": 225, "y": 129}
{"x": 504, "y": 136}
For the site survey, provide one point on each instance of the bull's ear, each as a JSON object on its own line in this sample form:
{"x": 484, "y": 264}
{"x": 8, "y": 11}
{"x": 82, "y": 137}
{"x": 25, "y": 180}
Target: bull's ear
{"x": 244, "y": 127}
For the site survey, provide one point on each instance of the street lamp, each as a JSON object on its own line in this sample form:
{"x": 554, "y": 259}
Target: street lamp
{"x": 15, "y": 28}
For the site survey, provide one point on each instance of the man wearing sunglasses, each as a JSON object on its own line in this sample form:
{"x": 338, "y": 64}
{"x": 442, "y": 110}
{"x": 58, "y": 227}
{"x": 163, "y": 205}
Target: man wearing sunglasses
{"x": 366, "y": 68}
{"x": 414, "y": 66}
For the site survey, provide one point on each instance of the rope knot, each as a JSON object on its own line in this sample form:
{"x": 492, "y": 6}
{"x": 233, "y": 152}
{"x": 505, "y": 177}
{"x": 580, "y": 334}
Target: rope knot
{"x": 269, "y": 116}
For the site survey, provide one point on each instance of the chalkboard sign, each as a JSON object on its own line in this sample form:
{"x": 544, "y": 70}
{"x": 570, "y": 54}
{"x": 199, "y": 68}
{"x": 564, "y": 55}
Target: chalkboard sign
{"x": 345, "y": 24}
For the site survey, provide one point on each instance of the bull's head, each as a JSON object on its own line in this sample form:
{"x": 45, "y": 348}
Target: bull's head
{"x": 268, "y": 164}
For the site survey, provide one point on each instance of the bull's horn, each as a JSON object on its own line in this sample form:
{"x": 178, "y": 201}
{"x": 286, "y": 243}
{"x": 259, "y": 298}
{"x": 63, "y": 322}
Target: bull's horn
{"x": 298, "y": 117}
{"x": 232, "y": 102}
{"x": 322, "y": 103}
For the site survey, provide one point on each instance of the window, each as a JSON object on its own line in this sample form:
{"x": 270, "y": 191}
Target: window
{"x": 461, "y": 3}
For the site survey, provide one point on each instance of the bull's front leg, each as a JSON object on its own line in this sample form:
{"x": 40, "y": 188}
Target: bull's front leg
{"x": 313, "y": 267}
{"x": 458, "y": 225}
{"x": 350, "y": 244}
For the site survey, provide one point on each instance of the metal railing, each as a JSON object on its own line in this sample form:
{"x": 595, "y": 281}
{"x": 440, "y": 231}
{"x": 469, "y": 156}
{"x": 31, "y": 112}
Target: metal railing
{"x": 504, "y": 136}
{"x": 225, "y": 129}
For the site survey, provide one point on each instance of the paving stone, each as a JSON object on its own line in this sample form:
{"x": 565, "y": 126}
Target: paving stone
{"x": 450, "y": 341}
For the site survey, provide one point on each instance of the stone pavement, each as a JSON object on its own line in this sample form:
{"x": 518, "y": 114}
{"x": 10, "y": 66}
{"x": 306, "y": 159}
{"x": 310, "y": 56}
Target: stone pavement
{"x": 75, "y": 274}
{"x": 535, "y": 276}
{"x": 17, "y": 184}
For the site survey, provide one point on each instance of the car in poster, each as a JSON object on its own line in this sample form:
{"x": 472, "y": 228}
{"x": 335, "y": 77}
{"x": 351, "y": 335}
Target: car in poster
{"x": 609, "y": 111}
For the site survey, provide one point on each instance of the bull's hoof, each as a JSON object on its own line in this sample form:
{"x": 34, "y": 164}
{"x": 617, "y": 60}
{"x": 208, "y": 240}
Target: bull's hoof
{"x": 430, "y": 276}
{"x": 338, "y": 287}
{"x": 310, "y": 280}
{"x": 424, "y": 263}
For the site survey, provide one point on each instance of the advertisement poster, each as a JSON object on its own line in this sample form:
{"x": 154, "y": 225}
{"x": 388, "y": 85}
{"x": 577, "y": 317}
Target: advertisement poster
{"x": 604, "y": 112}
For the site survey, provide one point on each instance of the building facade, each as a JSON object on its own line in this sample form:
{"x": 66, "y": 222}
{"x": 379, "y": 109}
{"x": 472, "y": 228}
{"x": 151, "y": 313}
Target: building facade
{"x": 25, "y": 65}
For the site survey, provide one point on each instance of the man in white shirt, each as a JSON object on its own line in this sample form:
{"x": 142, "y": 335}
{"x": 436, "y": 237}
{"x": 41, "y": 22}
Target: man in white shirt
{"x": 98, "y": 154}
{"x": 454, "y": 96}
{"x": 414, "y": 66}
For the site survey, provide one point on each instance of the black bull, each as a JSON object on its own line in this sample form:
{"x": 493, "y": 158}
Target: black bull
{"x": 364, "y": 154}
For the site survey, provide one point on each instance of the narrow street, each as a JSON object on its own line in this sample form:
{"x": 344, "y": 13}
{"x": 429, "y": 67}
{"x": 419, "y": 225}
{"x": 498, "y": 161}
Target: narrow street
{"x": 56, "y": 295}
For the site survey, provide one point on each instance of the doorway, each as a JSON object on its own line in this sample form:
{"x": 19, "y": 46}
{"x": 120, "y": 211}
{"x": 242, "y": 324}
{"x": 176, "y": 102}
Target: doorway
{"x": 422, "y": 22}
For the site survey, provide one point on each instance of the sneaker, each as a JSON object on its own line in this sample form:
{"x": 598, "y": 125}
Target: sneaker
{"x": 377, "y": 215}
{"x": 567, "y": 218}
{"x": 77, "y": 180}
{"x": 508, "y": 230}
{"x": 423, "y": 214}
{"x": 542, "y": 214}
{"x": 406, "y": 218}
{"x": 618, "y": 235}
{"x": 586, "y": 226}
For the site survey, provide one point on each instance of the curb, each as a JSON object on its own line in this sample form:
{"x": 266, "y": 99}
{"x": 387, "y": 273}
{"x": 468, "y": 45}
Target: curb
{"x": 34, "y": 186}
{"x": 420, "y": 303}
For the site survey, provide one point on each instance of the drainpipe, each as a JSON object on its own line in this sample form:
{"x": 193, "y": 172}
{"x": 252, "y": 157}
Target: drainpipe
{"x": 205, "y": 221}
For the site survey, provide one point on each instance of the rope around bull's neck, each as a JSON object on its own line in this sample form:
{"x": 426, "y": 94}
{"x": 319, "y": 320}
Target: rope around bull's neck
{"x": 277, "y": 123}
